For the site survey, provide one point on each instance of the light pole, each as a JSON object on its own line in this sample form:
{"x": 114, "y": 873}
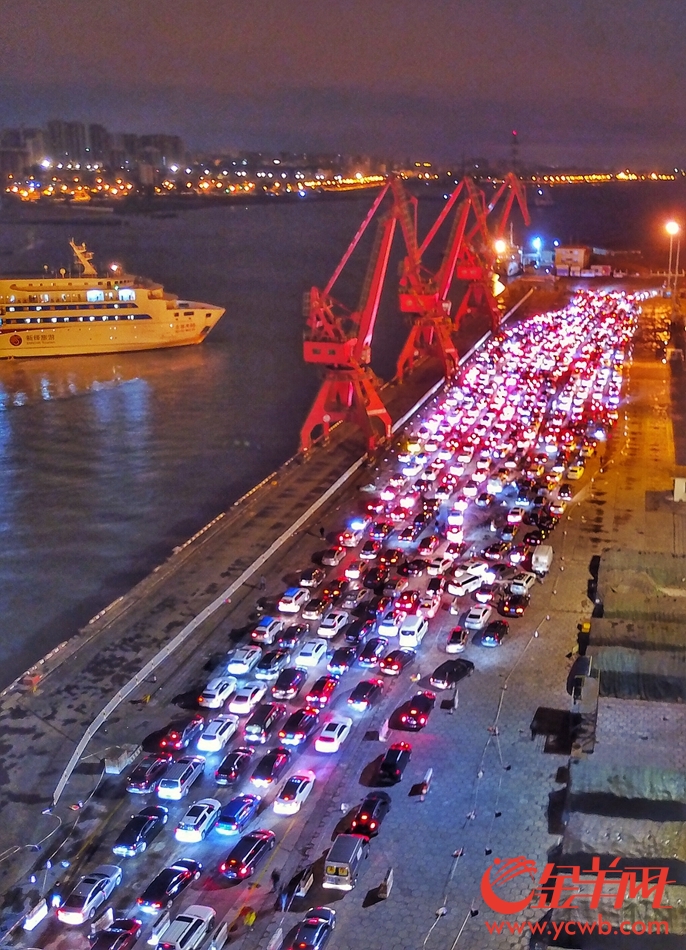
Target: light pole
{"x": 671, "y": 228}
{"x": 676, "y": 271}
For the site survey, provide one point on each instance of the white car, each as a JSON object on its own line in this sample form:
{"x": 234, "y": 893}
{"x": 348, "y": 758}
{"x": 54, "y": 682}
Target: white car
{"x": 483, "y": 568}
{"x": 413, "y": 467}
{"x": 312, "y": 653}
{"x": 217, "y": 733}
{"x": 351, "y": 538}
{"x": 293, "y": 600}
{"x": 332, "y": 557}
{"x": 575, "y": 472}
{"x": 217, "y": 692}
{"x": 478, "y": 617}
{"x": 390, "y": 625}
{"x": 247, "y": 697}
{"x": 439, "y": 565}
{"x": 456, "y": 517}
{"x": 463, "y": 583}
{"x": 428, "y": 606}
{"x": 334, "y": 734}
{"x": 90, "y": 893}
{"x": 333, "y": 623}
{"x": 294, "y": 793}
{"x": 523, "y": 583}
{"x": 515, "y": 516}
{"x": 268, "y": 629}
{"x": 354, "y": 570}
{"x": 200, "y": 819}
{"x": 243, "y": 660}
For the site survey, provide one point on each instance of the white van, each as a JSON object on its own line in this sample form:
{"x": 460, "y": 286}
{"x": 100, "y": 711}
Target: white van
{"x": 189, "y": 930}
{"x": 412, "y": 632}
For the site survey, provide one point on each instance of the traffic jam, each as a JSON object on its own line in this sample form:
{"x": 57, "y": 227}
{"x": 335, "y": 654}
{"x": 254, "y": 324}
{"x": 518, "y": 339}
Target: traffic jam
{"x": 442, "y": 558}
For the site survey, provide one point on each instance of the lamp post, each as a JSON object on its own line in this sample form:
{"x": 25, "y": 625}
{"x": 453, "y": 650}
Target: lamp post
{"x": 671, "y": 228}
{"x": 676, "y": 271}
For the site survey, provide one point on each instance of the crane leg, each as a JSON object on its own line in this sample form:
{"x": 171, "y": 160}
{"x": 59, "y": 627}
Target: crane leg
{"x": 347, "y": 395}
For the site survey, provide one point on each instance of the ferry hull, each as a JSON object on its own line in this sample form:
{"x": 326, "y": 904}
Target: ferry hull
{"x": 93, "y": 338}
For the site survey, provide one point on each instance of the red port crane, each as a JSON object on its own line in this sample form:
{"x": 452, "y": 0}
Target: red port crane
{"x": 425, "y": 295}
{"x": 340, "y": 339}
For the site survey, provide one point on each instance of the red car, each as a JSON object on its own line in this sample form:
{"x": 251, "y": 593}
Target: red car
{"x": 408, "y": 601}
{"x": 322, "y": 690}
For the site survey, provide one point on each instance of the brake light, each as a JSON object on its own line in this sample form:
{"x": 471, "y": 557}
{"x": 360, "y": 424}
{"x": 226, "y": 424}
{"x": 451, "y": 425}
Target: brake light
{"x": 282, "y": 734}
{"x": 300, "y": 735}
{"x": 372, "y": 825}
{"x": 243, "y": 871}
{"x": 422, "y": 719}
{"x": 222, "y": 866}
{"x": 403, "y": 718}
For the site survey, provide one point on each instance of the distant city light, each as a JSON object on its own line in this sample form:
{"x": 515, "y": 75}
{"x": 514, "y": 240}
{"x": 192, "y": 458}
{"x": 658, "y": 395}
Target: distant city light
{"x": 537, "y": 244}
{"x": 46, "y": 163}
{"x": 500, "y": 246}
{"x": 556, "y": 243}
{"x": 173, "y": 168}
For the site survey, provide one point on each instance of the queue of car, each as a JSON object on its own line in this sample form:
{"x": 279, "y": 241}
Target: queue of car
{"x": 455, "y": 524}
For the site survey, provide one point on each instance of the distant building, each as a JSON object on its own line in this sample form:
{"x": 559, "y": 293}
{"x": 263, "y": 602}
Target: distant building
{"x": 100, "y": 142}
{"x": 572, "y": 260}
{"x": 67, "y": 140}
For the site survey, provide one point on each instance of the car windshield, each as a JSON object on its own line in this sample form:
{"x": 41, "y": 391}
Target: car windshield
{"x": 290, "y": 790}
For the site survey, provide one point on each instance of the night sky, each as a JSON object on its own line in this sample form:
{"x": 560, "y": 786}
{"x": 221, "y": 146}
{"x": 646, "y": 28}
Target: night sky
{"x": 582, "y": 81}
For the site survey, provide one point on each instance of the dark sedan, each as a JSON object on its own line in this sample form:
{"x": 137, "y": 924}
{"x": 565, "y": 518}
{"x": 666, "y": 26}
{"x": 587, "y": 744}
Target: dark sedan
{"x": 396, "y": 661}
{"x": 299, "y": 726}
{"x": 494, "y": 633}
{"x": 313, "y": 932}
{"x": 376, "y": 577}
{"x": 370, "y": 814}
{"x": 513, "y": 605}
{"x": 247, "y": 854}
{"x": 342, "y": 659}
{"x": 289, "y": 683}
{"x": 414, "y": 714}
{"x": 182, "y": 732}
{"x": 120, "y": 935}
{"x": 270, "y": 767}
{"x": 140, "y": 831}
{"x": 366, "y": 694}
{"x": 394, "y": 763}
{"x": 449, "y": 673}
{"x": 168, "y": 884}
{"x": 234, "y": 766}
{"x": 413, "y": 568}
{"x": 147, "y": 773}
{"x": 372, "y": 651}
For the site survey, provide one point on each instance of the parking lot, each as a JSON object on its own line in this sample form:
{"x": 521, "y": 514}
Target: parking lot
{"x": 490, "y": 782}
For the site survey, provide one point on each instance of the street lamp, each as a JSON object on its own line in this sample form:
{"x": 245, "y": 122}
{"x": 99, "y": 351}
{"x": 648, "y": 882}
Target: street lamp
{"x": 500, "y": 247}
{"x": 671, "y": 228}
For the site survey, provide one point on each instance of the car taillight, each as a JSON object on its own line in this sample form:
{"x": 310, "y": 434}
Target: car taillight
{"x": 282, "y": 735}
{"x": 422, "y": 719}
{"x": 300, "y": 735}
{"x": 243, "y": 871}
{"x": 372, "y": 825}
{"x": 395, "y": 666}
{"x": 222, "y": 867}
{"x": 403, "y": 718}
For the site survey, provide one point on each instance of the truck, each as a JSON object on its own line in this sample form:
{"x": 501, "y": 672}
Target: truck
{"x": 343, "y": 860}
{"x": 541, "y": 559}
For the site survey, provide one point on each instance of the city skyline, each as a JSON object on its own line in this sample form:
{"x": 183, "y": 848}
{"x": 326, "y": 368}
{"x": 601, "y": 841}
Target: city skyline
{"x": 592, "y": 83}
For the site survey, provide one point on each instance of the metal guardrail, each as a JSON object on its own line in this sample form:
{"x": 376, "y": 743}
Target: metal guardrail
{"x": 225, "y": 596}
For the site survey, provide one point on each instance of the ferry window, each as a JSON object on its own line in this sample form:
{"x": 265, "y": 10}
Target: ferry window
{"x": 45, "y": 298}
{"x": 12, "y": 298}
{"x": 33, "y": 298}
{"x": 94, "y": 296}
{"x": 127, "y": 294}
